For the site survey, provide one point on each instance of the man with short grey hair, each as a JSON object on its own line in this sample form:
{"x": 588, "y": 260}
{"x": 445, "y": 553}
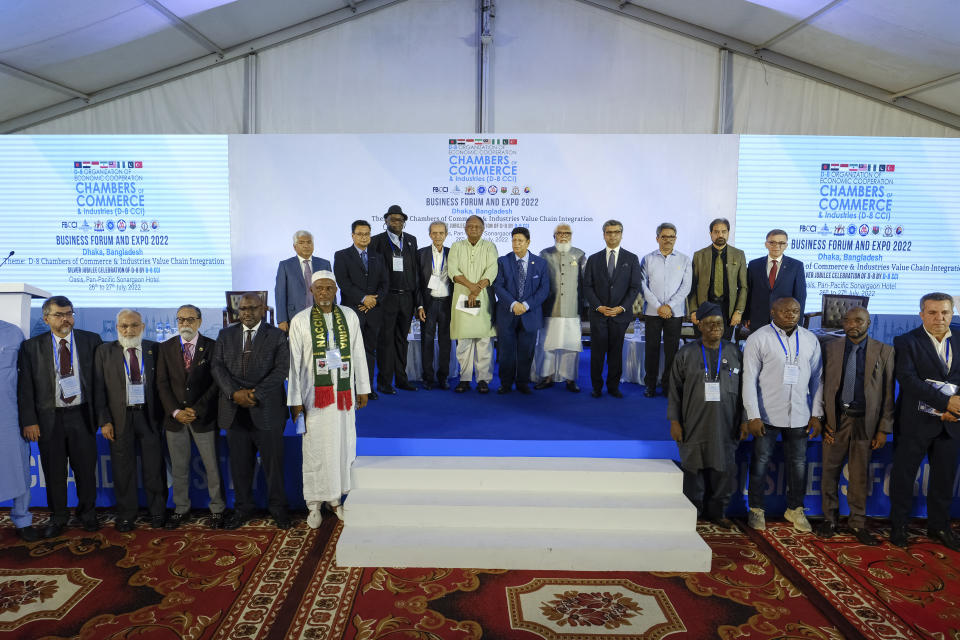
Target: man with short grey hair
{"x": 292, "y": 290}
{"x": 434, "y": 312}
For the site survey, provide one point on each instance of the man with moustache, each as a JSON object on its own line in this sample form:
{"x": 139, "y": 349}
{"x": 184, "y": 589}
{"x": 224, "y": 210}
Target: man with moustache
{"x": 129, "y": 415}
{"x": 328, "y": 373}
{"x": 719, "y": 275}
{"x": 55, "y": 397}
{"x": 399, "y": 253}
{"x": 292, "y": 289}
{"x": 363, "y": 280}
{"x": 188, "y": 395}
{"x": 434, "y": 314}
{"x": 561, "y": 342}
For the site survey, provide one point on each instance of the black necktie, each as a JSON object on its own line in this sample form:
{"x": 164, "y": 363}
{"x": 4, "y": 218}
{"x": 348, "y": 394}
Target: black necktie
{"x": 247, "y": 349}
{"x": 66, "y": 366}
{"x": 850, "y": 376}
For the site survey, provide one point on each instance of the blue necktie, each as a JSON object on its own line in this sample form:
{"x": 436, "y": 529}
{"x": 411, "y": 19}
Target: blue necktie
{"x": 522, "y": 275}
{"x": 363, "y": 256}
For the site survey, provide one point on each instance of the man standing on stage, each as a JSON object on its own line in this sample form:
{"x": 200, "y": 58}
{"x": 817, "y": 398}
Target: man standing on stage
{"x": 434, "y": 314}
{"x": 719, "y": 276}
{"x": 773, "y": 277}
{"x": 15, "y": 472}
{"x": 561, "y": 341}
{"x": 858, "y": 398}
{"x": 292, "y": 289}
{"x": 473, "y": 268}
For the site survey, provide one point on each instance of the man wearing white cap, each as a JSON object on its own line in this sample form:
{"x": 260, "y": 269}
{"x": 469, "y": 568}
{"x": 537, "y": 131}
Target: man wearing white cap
{"x": 328, "y": 373}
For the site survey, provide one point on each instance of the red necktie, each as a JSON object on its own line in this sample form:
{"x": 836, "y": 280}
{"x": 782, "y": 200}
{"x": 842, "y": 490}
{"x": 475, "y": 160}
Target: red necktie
{"x": 187, "y": 355}
{"x": 66, "y": 367}
{"x": 134, "y": 366}
{"x": 773, "y": 273}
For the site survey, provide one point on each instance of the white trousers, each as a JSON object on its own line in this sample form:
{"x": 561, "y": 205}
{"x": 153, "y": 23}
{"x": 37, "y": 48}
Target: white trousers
{"x": 560, "y": 365}
{"x": 475, "y": 353}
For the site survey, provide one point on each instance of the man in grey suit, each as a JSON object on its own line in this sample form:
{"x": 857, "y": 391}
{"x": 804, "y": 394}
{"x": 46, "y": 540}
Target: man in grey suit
{"x": 292, "y": 290}
{"x": 250, "y": 363}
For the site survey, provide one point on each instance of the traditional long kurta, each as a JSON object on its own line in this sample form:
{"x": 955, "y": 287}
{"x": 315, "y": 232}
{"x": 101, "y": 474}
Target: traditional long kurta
{"x": 711, "y": 430}
{"x": 475, "y": 263}
{"x": 330, "y": 443}
{"x": 15, "y": 470}
{"x": 562, "y": 321}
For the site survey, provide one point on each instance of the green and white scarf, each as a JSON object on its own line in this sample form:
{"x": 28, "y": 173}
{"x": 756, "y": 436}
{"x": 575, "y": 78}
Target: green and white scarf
{"x": 323, "y": 376}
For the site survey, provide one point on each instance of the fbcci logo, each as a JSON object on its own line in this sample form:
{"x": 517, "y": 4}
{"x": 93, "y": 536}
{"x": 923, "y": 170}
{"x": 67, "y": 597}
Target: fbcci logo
{"x": 108, "y": 164}
{"x": 857, "y": 167}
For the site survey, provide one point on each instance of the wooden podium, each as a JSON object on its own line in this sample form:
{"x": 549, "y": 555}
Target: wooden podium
{"x": 15, "y": 303}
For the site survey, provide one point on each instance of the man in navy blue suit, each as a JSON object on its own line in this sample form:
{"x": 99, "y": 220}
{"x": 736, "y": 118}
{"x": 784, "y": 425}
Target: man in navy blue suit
{"x": 522, "y": 286}
{"x": 293, "y": 279}
{"x": 928, "y": 371}
{"x": 773, "y": 277}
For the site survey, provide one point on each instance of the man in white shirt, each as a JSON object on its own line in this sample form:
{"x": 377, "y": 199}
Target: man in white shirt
{"x": 434, "y": 311}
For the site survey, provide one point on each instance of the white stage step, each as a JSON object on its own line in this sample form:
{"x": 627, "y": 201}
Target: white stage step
{"x": 578, "y": 514}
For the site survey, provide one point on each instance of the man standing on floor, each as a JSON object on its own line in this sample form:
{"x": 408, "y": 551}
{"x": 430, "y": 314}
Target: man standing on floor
{"x": 858, "y": 398}
{"x": 522, "y": 286}
{"x": 611, "y": 281}
{"x": 665, "y": 283}
{"x": 434, "y": 314}
{"x": 704, "y": 412}
{"x": 250, "y": 362}
{"x": 773, "y": 277}
{"x": 928, "y": 372}
{"x": 55, "y": 396}
{"x": 399, "y": 253}
{"x": 189, "y": 397}
{"x": 782, "y": 397}
{"x": 324, "y": 381}
{"x": 473, "y": 268}
{"x": 292, "y": 290}
{"x": 561, "y": 338}
{"x": 719, "y": 275}
{"x": 15, "y": 472}
{"x": 363, "y": 281}
{"x": 128, "y": 412}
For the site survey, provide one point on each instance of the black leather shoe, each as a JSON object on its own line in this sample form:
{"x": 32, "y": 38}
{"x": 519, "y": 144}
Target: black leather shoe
{"x": 898, "y": 537}
{"x": 723, "y": 523}
{"x": 502, "y": 391}
{"x": 386, "y": 390}
{"x": 649, "y": 392}
{"x": 372, "y": 395}
{"x": 444, "y": 385}
{"x": 483, "y": 387}
{"x": 572, "y": 387}
{"x": 282, "y": 522}
{"x": 235, "y": 520}
{"x": 427, "y": 386}
{"x": 176, "y": 520}
{"x": 156, "y": 522}
{"x": 406, "y": 386}
{"x": 524, "y": 389}
{"x": 28, "y": 533}
{"x": 462, "y": 387}
{"x": 543, "y": 384}
{"x": 90, "y": 524}
{"x": 123, "y": 526}
{"x": 54, "y": 529}
{"x": 865, "y": 537}
{"x": 946, "y": 537}
{"x": 216, "y": 521}
{"x": 615, "y": 393}
{"x": 826, "y": 529}
{"x": 596, "y": 393}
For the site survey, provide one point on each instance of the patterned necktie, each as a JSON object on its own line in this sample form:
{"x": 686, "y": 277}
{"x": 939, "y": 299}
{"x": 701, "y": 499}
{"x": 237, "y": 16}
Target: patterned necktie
{"x": 307, "y": 276}
{"x": 247, "y": 349}
{"x": 187, "y": 355}
{"x": 611, "y": 263}
{"x": 850, "y": 376}
{"x": 66, "y": 367}
{"x": 718, "y": 276}
{"x": 521, "y": 277}
{"x": 134, "y": 366}
{"x": 363, "y": 256}
{"x": 773, "y": 273}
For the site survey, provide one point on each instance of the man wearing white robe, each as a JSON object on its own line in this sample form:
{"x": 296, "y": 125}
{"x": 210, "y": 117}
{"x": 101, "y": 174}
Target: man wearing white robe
{"x": 330, "y": 439}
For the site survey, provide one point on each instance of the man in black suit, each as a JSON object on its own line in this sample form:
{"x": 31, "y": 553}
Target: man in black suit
{"x": 250, "y": 363}
{"x": 363, "y": 281}
{"x": 128, "y": 412}
{"x": 926, "y": 420}
{"x": 611, "y": 282}
{"x": 434, "y": 313}
{"x": 770, "y": 278}
{"x": 399, "y": 253}
{"x": 189, "y": 397}
{"x": 55, "y": 396}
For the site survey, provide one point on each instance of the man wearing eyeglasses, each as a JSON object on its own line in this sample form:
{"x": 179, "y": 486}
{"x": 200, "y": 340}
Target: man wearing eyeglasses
{"x": 773, "y": 277}
{"x": 189, "y": 398}
{"x": 55, "y": 398}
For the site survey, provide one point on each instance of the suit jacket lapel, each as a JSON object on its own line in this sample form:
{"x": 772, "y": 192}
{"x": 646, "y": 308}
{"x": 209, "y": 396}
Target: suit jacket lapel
{"x": 927, "y": 347}
{"x": 835, "y": 349}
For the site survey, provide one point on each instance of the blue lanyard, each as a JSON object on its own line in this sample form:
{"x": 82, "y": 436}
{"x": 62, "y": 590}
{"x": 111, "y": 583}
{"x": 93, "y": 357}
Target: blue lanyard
{"x": 183, "y": 345}
{"x": 56, "y": 351}
{"x": 398, "y": 249}
{"x": 443, "y": 260}
{"x": 706, "y": 368}
{"x": 126, "y": 365}
{"x": 796, "y": 355}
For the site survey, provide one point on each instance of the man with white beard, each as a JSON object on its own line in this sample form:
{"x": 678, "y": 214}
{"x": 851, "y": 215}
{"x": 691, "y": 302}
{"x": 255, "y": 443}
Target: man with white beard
{"x": 128, "y": 413}
{"x": 328, "y": 370}
{"x": 560, "y": 341}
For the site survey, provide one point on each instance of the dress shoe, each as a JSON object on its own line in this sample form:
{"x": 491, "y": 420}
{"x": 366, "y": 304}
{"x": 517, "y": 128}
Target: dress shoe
{"x": 54, "y": 529}
{"x": 483, "y": 387}
{"x": 386, "y": 390}
{"x": 156, "y": 522}
{"x": 572, "y": 387}
{"x": 462, "y": 387}
{"x": 946, "y": 537}
{"x": 502, "y": 391}
{"x": 406, "y": 386}
{"x": 723, "y": 523}
{"x": 865, "y": 537}
{"x": 596, "y": 393}
{"x": 616, "y": 393}
{"x": 898, "y": 537}
{"x": 176, "y": 520}
{"x": 826, "y": 529}
{"x": 427, "y": 386}
{"x": 123, "y": 526}
{"x": 216, "y": 521}
{"x": 282, "y": 521}
{"x": 90, "y": 524}
{"x": 649, "y": 392}
{"x": 524, "y": 389}
{"x": 235, "y": 520}
{"x": 28, "y": 533}
{"x": 444, "y": 385}
{"x": 543, "y": 384}
{"x": 372, "y": 395}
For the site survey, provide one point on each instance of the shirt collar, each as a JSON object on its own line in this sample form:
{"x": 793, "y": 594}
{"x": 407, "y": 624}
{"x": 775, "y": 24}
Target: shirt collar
{"x": 436, "y": 251}
{"x": 255, "y": 328}
{"x": 525, "y": 259}
{"x": 939, "y": 343}
{"x": 397, "y": 240}
{"x": 196, "y": 338}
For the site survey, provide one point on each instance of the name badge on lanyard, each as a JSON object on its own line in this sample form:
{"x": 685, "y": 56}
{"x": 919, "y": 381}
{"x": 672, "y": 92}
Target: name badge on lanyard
{"x": 135, "y": 394}
{"x": 791, "y": 371}
{"x": 397, "y": 259}
{"x": 398, "y": 263}
{"x": 69, "y": 385}
{"x": 711, "y": 387}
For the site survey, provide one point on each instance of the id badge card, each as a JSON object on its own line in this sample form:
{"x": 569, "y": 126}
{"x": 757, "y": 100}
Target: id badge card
{"x": 791, "y": 374}
{"x": 398, "y": 263}
{"x": 70, "y": 386}
{"x": 333, "y": 358}
{"x": 711, "y": 391}
{"x": 135, "y": 393}
{"x": 435, "y": 282}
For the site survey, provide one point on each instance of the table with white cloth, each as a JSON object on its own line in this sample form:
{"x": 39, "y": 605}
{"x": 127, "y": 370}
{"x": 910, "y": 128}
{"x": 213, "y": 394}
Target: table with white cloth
{"x": 415, "y": 357}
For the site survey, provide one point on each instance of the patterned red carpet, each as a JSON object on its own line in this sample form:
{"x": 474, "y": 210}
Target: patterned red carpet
{"x": 258, "y": 583}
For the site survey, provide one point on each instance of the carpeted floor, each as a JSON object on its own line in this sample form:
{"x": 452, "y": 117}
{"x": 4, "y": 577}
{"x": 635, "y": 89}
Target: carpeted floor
{"x": 258, "y": 583}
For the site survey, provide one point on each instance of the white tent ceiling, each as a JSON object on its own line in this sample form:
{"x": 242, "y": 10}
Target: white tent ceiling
{"x": 58, "y": 56}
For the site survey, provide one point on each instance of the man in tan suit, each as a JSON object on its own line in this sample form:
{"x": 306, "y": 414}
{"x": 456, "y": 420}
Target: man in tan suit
{"x": 858, "y": 399}
{"x": 720, "y": 276}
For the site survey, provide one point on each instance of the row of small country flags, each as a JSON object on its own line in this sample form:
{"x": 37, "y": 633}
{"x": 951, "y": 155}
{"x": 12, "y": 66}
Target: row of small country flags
{"x": 856, "y": 167}
{"x": 465, "y": 141}
{"x": 95, "y": 164}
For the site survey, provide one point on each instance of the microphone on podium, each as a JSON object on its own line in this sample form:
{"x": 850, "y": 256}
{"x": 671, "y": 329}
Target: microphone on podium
{"x": 7, "y": 258}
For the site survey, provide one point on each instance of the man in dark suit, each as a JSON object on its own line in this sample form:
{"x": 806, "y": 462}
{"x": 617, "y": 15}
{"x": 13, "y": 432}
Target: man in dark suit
{"x": 399, "y": 253}
{"x": 55, "y": 395}
{"x": 522, "y": 286}
{"x": 611, "y": 282}
{"x": 189, "y": 398}
{"x": 363, "y": 281}
{"x": 435, "y": 301}
{"x": 250, "y": 362}
{"x": 926, "y": 420}
{"x": 292, "y": 290}
{"x": 773, "y": 277}
{"x": 858, "y": 403}
{"x": 128, "y": 412}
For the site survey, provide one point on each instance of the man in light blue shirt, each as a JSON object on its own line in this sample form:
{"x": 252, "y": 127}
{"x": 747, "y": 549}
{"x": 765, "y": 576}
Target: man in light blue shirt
{"x": 782, "y": 396}
{"x": 665, "y": 279}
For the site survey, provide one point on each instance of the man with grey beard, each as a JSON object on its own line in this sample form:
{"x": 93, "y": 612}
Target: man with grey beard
{"x": 129, "y": 414}
{"x": 189, "y": 397}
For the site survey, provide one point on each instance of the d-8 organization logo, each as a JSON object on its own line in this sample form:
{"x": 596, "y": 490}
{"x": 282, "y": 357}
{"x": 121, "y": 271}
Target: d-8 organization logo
{"x": 488, "y": 161}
